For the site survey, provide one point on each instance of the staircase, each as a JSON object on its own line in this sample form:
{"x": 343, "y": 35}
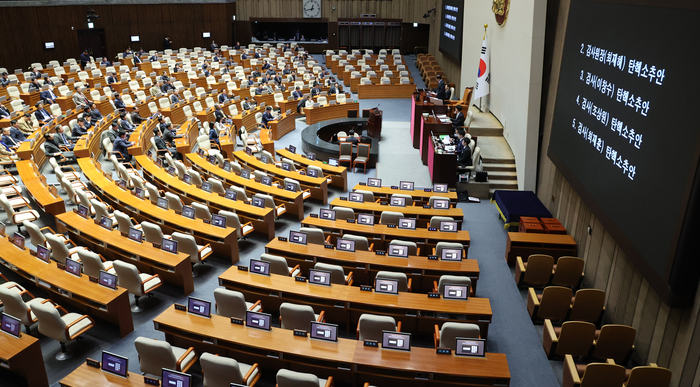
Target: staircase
{"x": 502, "y": 173}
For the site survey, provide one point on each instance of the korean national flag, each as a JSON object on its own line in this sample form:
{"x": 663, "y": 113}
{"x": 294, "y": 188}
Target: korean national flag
{"x": 484, "y": 74}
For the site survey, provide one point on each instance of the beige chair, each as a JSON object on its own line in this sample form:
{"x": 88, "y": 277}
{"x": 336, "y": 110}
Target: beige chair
{"x": 220, "y": 371}
{"x": 367, "y": 195}
{"x": 60, "y": 251}
{"x": 154, "y": 355}
{"x": 93, "y": 263}
{"x": 437, "y": 250}
{"x": 343, "y": 213}
{"x": 287, "y": 378}
{"x": 124, "y": 222}
{"x": 37, "y": 236}
{"x": 174, "y": 201}
{"x": 240, "y": 194}
{"x": 537, "y": 271}
{"x": 649, "y": 376}
{"x": 434, "y": 198}
{"x": 305, "y": 193}
{"x": 152, "y": 232}
{"x": 362, "y": 156}
{"x": 85, "y": 200}
{"x": 188, "y": 245}
{"x": 337, "y": 273}
{"x": 294, "y": 316}
{"x": 232, "y": 220}
{"x": 447, "y": 279}
{"x": 12, "y": 298}
{"x": 408, "y": 198}
{"x": 216, "y": 185}
{"x": 390, "y": 217}
{"x": 270, "y": 203}
{"x": 361, "y": 242}
{"x": 17, "y": 217}
{"x": 292, "y": 167}
{"x": 61, "y": 328}
{"x": 278, "y": 265}
{"x": 315, "y": 235}
{"x": 574, "y": 338}
{"x": 102, "y": 210}
{"x": 606, "y": 374}
{"x": 446, "y": 336}
{"x": 153, "y": 192}
{"x": 588, "y": 305}
{"x": 404, "y": 282}
{"x": 370, "y": 326}
{"x": 568, "y": 272}
{"x": 138, "y": 284}
{"x": 230, "y": 303}
{"x": 201, "y": 211}
{"x": 413, "y": 248}
{"x": 553, "y": 303}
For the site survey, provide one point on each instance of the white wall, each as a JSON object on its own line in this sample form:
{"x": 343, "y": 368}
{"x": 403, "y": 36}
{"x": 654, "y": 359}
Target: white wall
{"x": 517, "y": 50}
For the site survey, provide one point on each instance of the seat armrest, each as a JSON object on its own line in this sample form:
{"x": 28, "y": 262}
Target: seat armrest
{"x": 433, "y": 250}
{"x": 571, "y": 377}
{"x": 21, "y": 213}
{"x": 349, "y": 279}
{"x": 201, "y": 258}
{"x": 148, "y": 279}
{"x": 436, "y": 335}
{"x": 47, "y": 228}
{"x": 321, "y": 316}
{"x": 357, "y": 332}
{"x": 182, "y": 358}
{"x": 532, "y": 303}
{"x": 410, "y": 282}
{"x": 371, "y": 247}
{"x": 398, "y": 326}
{"x": 435, "y": 287}
{"x": 250, "y": 372}
{"x": 295, "y": 268}
{"x": 329, "y": 382}
{"x": 257, "y": 303}
{"x": 519, "y": 270}
{"x": 549, "y": 338}
{"x": 80, "y": 332}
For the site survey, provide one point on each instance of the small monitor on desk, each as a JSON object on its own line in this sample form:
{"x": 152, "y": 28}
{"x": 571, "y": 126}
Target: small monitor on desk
{"x": 324, "y": 331}
{"x": 206, "y": 186}
{"x": 367, "y": 219}
{"x": 218, "y": 221}
{"x": 332, "y": 162}
{"x": 470, "y": 347}
{"x": 266, "y": 180}
{"x": 371, "y": 182}
{"x": 176, "y": 379}
{"x": 259, "y": 267}
{"x": 441, "y": 204}
{"x": 406, "y": 185}
{"x": 386, "y": 286}
{"x": 345, "y": 245}
{"x": 106, "y": 222}
{"x": 43, "y": 253}
{"x": 400, "y": 251}
{"x": 258, "y": 202}
{"x": 83, "y": 211}
{"x": 187, "y": 178}
{"x": 327, "y": 214}
{"x": 311, "y": 172}
{"x": 135, "y": 234}
{"x": 73, "y": 267}
{"x": 162, "y": 203}
{"x": 169, "y": 245}
{"x": 139, "y": 193}
{"x": 455, "y": 292}
{"x": 298, "y": 237}
{"x": 245, "y": 173}
{"x": 320, "y": 277}
{"x": 257, "y": 320}
{"x": 18, "y": 240}
{"x": 286, "y": 166}
{"x": 227, "y": 166}
{"x": 397, "y": 202}
{"x": 10, "y": 325}
{"x": 396, "y": 340}
{"x": 230, "y": 194}
{"x": 293, "y": 149}
{"x": 311, "y": 156}
{"x": 289, "y": 186}
{"x": 265, "y": 159}
{"x": 199, "y": 307}
{"x": 441, "y": 188}
{"x": 188, "y": 212}
{"x": 356, "y": 197}
{"x": 451, "y": 255}
{"x": 107, "y": 280}
{"x": 407, "y": 223}
{"x": 115, "y": 364}
{"x": 448, "y": 226}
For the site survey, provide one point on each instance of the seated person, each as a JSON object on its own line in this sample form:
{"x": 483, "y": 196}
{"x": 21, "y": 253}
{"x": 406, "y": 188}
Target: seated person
{"x": 62, "y": 139}
{"x": 25, "y": 124}
{"x": 458, "y": 121}
{"x": 94, "y": 113}
{"x": 48, "y": 96}
{"x": 161, "y": 145}
{"x": 297, "y": 93}
{"x": 351, "y": 137}
{"x": 51, "y": 149}
{"x": 16, "y": 133}
{"x": 465, "y": 157}
{"x": 118, "y": 103}
{"x": 88, "y": 122}
{"x": 79, "y": 129}
{"x": 136, "y": 117}
{"x": 8, "y": 140}
{"x": 268, "y": 116}
{"x": 214, "y": 133}
{"x": 7, "y": 153}
{"x": 121, "y": 145}
{"x": 41, "y": 114}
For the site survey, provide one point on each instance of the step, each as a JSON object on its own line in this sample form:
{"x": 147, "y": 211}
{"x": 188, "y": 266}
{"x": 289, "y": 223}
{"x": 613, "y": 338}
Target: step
{"x": 493, "y": 160}
{"x": 495, "y": 132}
{"x": 498, "y": 167}
{"x": 503, "y": 185}
{"x": 503, "y": 175}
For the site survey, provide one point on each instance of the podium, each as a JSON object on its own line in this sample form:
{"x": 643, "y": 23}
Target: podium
{"x": 374, "y": 122}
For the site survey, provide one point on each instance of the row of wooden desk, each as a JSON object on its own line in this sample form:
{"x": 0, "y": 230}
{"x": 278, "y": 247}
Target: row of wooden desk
{"x": 45, "y": 196}
{"x": 421, "y": 214}
{"x": 420, "y": 196}
{"x": 338, "y": 175}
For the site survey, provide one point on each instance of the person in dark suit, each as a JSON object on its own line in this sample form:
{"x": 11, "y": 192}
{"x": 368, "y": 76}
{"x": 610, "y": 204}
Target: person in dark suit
{"x": 465, "y": 157}
{"x": 118, "y": 103}
{"x": 60, "y": 138}
{"x": 237, "y": 46}
{"x": 257, "y": 55}
{"x": 315, "y": 91}
{"x": 84, "y": 58}
{"x": 223, "y": 97}
{"x": 214, "y": 46}
{"x": 268, "y": 116}
{"x": 35, "y": 73}
{"x": 79, "y": 129}
{"x": 441, "y": 88}
{"x": 266, "y": 65}
{"x": 41, "y": 114}
{"x": 94, "y": 113}
{"x": 47, "y": 80}
{"x": 213, "y": 133}
{"x": 105, "y": 61}
{"x": 16, "y": 132}
{"x": 52, "y": 149}
{"x": 458, "y": 121}
{"x": 161, "y": 145}
{"x": 136, "y": 117}
{"x": 333, "y": 89}
{"x": 167, "y": 43}
{"x": 175, "y": 96}
{"x": 244, "y": 56}
{"x": 124, "y": 124}
{"x": 34, "y": 85}
{"x": 137, "y": 58}
{"x": 121, "y": 145}
{"x": 246, "y": 104}
{"x": 218, "y": 113}
{"x": 8, "y": 140}
{"x": 459, "y": 146}
{"x": 168, "y": 135}
{"x": 4, "y": 113}
{"x": 47, "y": 95}
{"x": 112, "y": 78}
{"x": 351, "y": 137}
{"x": 297, "y": 93}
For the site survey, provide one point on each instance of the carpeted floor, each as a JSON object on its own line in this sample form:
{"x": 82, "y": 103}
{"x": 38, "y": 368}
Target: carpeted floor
{"x": 511, "y": 331}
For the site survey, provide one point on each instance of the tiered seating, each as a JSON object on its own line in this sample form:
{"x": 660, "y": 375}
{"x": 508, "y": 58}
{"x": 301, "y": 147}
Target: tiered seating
{"x": 429, "y": 69}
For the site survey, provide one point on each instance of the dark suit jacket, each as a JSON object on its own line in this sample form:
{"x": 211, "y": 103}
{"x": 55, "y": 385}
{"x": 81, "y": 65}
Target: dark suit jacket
{"x": 78, "y": 131}
{"x": 17, "y": 134}
{"x": 51, "y": 148}
{"x": 137, "y": 59}
{"x": 458, "y": 121}
{"x": 136, "y": 118}
{"x": 39, "y": 114}
{"x": 111, "y": 80}
{"x": 297, "y": 94}
{"x": 465, "y": 158}
{"x": 9, "y": 141}
{"x": 218, "y": 114}
{"x": 47, "y": 97}
{"x": 168, "y": 137}
{"x": 119, "y": 104}
{"x": 441, "y": 90}
{"x": 214, "y": 135}
{"x": 160, "y": 144}
{"x": 315, "y": 92}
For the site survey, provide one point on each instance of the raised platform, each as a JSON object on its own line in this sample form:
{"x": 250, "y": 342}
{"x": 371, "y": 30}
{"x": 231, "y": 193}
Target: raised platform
{"x": 316, "y": 138}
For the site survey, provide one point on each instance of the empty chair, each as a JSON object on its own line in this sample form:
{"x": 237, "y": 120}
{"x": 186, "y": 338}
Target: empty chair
{"x": 305, "y": 193}
{"x": 153, "y": 192}
{"x": 574, "y": 338}
{"x": 101, "y": 210}
{"x": 337, "y": 273}
{"x": 61, "y": 328}
{"x": 37, "y": 236}
{"x": 138, "y": 284}
{"x": 615, "y": 342}
{"x": 240, "y": 193}
{"x": 124, "y": 222}
{"x": 187, "y": 244}
{"x": 446, "y": 336}
{"x": 593, "y": 375}
{"x": 535, "y": 272}
{"x": 448, "y": 245}
{"x": 152, "y": 232}
{"x": 174, "y": 202}
{"x": 17, "y": 217}
{"x": 435, "y": 221}
{"x": 649, "y": 376}
{"x": 294, "y": 316}
{"x": 314, "y": 235}
{"x": 407, "y": 198}
{"x": 278, "y": 265}
{"x": 344, "y": 213}
{"x": 370, "y": 326}
{"x": 15, "y": 306}
{"x": 340, "y": 98}
{"x": 368, "y": 196}
{"x": 404, "y": 283}
{"x": 230, "y": 303}
{"x": 413, "y": 248}
{"x": 434, "y": 198}
{"x": 553, "y": 303}
{"x": 448, "y": 279}
{"x": 59, "y": 251}
{"x": 361, "y": 242}
{"x": 588, "y": 305}
{"x": 93, "y": 263}
{"x": 390, "y": 217}
{"x": 287, "y": 378}
{"x": 270, "y": 203}
{"x": 201, "y": 211}
{"x": 345, "y": 155}
{"x": 220, "y": 371}
{"x": 568, "y": 272}
{"x": 154, "y": 355}
{"x": 232, "y": 220}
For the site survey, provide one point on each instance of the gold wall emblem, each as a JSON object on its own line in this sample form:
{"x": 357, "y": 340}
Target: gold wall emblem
{"x": 500, "y": 10}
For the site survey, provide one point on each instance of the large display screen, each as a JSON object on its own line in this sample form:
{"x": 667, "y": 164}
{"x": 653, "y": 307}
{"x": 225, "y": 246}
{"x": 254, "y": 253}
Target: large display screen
{"x": 451, "y": 29}
{"x": 624, "y": 132}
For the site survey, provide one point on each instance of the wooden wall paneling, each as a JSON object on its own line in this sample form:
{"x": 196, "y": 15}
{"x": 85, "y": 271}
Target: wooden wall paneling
{"x": 651, "y": 311}
{"x": 656, "y": 345}
{"x": 690, "y": 363}
{"x": 613, "y": 292}
{"x": 631, "y": 302}
{"x": 605, "y": 259}
{"x": 592, "y": 254}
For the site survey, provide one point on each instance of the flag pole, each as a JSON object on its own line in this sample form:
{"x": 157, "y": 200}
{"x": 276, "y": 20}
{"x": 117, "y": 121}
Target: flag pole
{"x": 485, "y": 27}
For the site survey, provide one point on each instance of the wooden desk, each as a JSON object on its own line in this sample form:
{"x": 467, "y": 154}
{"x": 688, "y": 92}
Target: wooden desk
{"x": 338, "y": 175}
{"x": 85, "y": 376}
{"x": 318, "y": 186}
{"x": 246, "y": 121}
{"x": 425, "y": 239}
{"x": 266, "y": 140}
{"x": 441, "y": 166}
{"x": 385, "y": 91}
{"x": 329, "y": 112}
{"x": 421, "y": 214}
{"x": 172, "y": 268}
{"x": 524, "y": 244}
{"x": 419, "y": 195}
{"x": 263, "y": 218}
{"x": 88, "y": 297}
{"x": 286, "y": 124}
{"x": 430, "y": 125}
{"x": 417, "y": 110}
{"x": 344, "y": 304}
{"x": 366, "y": 264}
{"x": 38, "y": 190}
{"x": 23, "y": 356}
{"x": 223, "y": 241}
{"x": 347, "y": 359}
